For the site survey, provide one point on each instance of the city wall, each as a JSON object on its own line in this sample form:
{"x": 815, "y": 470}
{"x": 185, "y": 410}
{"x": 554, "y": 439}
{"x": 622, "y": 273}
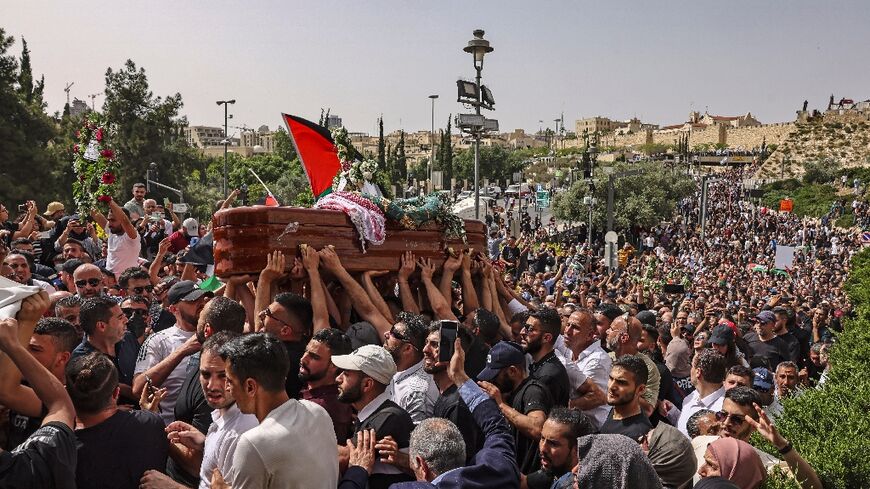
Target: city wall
{"x": 742, "y": 137}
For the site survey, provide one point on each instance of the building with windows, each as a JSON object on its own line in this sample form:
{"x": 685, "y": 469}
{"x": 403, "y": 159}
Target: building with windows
{"x": 205, "y": 136}
{"x": 602, "y": 125}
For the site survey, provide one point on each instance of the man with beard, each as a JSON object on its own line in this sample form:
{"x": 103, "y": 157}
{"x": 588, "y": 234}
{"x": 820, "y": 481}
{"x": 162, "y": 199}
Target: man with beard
{"x": 363, "y": 382}
{"x": 191, "y": 406}
{"x": 523, "y": 401}
{"x": 411, "y": 388}
{"x": 622, "y": 338}
{"x": 708, "y": 375}
{"x": 318, "y": 372}
{"x": 124, "y": 244}
{"x": 558, "y": 446}
{"x": 136, "y": 206}
{"x": 21, "y": 263}
{"x": 604, "y": 315}
{"x": 583, "y": 352}
{"x": 450, "y": 404}
{"x": 628, "y": 378}
{"x": 160, "y": 362}
{"x": 763, "y": 342}
{"x": 88, "y": 280}
{"x": 538, "y": 339}
{"x": 214, "y": 449}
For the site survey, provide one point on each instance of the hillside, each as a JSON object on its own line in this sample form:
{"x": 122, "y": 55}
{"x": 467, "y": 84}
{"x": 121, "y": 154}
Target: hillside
{"x": 843, "y": 141}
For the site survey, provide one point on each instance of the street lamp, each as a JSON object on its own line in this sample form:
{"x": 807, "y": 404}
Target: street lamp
{"x": 431, "y": 186}
{"x": 226, "y": 140}
{"x": 477, "y": 47}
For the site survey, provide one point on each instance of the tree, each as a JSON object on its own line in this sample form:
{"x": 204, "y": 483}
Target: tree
{"x": 146, "y": 128}
{"x": 496, "y": 163}
{"x": 29, "y": 167}
{"x": 382, "y": 156}
{"x": 401, "y": 160}
{"x": 447, "y": 152}
{"x": 639, "y": 201}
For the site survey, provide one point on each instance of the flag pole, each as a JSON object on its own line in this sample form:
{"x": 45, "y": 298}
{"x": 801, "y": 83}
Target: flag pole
{"x": 261, "y": 182}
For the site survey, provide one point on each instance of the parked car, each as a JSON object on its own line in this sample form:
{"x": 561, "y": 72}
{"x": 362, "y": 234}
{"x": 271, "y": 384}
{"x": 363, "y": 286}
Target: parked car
{"x": 518, "y": 190}
{"x": 494, "y": 191}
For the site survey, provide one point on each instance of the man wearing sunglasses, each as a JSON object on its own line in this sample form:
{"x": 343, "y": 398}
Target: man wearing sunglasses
{"x": 136, "y": 281}
{"x": 741, "y": 415}
{"x": 411, "y": 388}
{"x": 88, "y": 280}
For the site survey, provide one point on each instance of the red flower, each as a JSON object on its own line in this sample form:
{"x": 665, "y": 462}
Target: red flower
{"x": 78, "y": 134}
{"x": 76, "y": 148}
{"x": 108, "y": 178}
{"x": 99, "y": 135}
{"x": 107, "y": 153}
{"x": 104, "y": 198}
{"x": 81, "y": 178}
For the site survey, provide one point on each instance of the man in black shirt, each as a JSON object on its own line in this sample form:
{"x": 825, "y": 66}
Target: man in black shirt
{"x": 558, "y": 445}
{"x": 450, "y": 404}
{"x": 628, "y": 377}
{"x": 538, "y": 338}
{"x": 363, "y": 383}
{"x": 47, "y": 459}
{"x": 523, "y": 401}
{"x": 764, "y": 343}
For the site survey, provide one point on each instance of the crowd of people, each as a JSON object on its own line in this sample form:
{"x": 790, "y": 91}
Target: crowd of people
{"x": 529, "y": 364}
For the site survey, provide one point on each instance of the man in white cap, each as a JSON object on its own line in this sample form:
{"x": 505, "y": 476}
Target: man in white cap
{"x": 181, "y": 239}
{"x": 366, "y": 373}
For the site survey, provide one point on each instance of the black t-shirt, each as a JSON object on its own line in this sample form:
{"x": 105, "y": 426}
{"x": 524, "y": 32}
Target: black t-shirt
{"x": 126, "y": 353}
{"x": 530, "y": 396}
{"x": 633, "y": 427}
{"x": 774, "y": 350}
{"x": 46, "y": 460}
{"x": 293, "y": 385}
{"x": 475, "y": 357}
{"x": 550, "y": 372}
{"x": 190, "y": 407}
{"x": 388, "y": 419}
{"x": 21, "y": 427}
{"x": 115, "y": 453}
{"x": 451, "y": 406}
{"x": 793, "y": 346}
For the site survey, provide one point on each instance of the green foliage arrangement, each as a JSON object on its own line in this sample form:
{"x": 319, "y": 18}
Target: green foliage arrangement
{"x": 829, "y": 425}
{"x": 95, "y": 166}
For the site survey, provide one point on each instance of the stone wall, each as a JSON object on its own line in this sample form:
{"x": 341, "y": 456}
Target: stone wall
{"x": 742, "y": 137}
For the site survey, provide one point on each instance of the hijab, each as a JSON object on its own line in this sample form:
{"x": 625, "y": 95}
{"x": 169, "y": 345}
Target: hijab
{"x": 738, "y": 462}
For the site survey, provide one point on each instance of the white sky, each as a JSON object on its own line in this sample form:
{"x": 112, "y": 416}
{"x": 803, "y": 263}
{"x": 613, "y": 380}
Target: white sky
{"x": 651, "y": 59}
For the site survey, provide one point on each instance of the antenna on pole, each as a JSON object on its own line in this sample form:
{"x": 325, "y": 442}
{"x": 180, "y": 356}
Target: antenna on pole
{"x": 68, "y": 85}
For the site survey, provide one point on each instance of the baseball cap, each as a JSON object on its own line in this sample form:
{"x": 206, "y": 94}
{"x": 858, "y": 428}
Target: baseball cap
{"x": 372, "y": 360}
{"x": 503, "y": 354}
{"x": 766, "y": 317}
{"x": 186, "y": 291}
{"x": 646, "y": 317}
{"x": 191, "y": 226}
{"x": 762, "y": 380}
{"x": 722, "y": 335}
{"x": 52, "y": 208}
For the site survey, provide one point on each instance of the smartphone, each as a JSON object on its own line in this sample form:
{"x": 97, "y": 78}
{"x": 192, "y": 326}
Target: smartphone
{"x": 674, "y": 289}
{"x": 449, "y": 330}
{"x": 22, "y": 207}
{"x": 166, "y": 202}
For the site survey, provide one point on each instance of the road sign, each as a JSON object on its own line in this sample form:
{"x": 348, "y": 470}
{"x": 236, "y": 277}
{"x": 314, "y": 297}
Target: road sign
{"x": 611, "y": 237}
{"x": 180, "y": 208}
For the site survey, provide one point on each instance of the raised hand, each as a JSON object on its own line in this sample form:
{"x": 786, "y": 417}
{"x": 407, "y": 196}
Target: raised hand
{"x": 310, "y": 257}
{"x": 8, "y": 334}
{"x": 363, "y": 454}
{"x": 33, "y": 307}
{"x": 163, "y": 247}
{"x": 330, "y": 259}
{"x": 766, "y": 428}
{"x": 492, "y": 391}
{"x": 427, "y": 268}
{"x": 452, "y": 264}
{"x": 407, "y": 266}
{"x": 275, "y": 263}
{"x": 185, "y": 434}
{"x": 150, "y": 399}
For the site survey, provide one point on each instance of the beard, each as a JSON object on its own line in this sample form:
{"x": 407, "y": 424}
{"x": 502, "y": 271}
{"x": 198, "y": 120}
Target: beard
{"x": 309, "y": 376}
{"x": 533, "y": 347}
{"x": 435, "y": 368}
{"x": 189, "y": 318}
{"x": 621, "y": 401}
{"x": 504, "y": 383}
{"x": 350, "y": 395}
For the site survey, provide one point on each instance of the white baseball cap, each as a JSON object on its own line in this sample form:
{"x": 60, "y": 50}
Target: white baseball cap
{"x": 191, "y": 226}
{"x": 372, "y": 360}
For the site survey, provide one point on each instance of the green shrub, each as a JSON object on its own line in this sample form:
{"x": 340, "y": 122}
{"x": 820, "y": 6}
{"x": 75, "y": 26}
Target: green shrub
{"x": 829, "y": 425}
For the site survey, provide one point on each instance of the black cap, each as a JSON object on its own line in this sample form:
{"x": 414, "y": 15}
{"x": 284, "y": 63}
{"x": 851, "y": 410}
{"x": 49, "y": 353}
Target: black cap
{"x": 646, "y": 317}
{"x": 503, "y": 354}
{"x": 186, "y": 291}
{"x": 722, "y": 335}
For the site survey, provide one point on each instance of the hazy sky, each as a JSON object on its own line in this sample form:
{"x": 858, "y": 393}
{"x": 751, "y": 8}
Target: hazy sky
{"x": 650, "y": 59}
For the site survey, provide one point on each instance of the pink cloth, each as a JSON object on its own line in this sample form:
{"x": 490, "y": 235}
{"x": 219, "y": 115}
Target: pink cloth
{"x": 738, "y": 462}
{"x": 364, "y": 214}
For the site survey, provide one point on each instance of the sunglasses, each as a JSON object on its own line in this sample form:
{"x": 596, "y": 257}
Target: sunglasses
{"x": 130, "y": 312}
{"x": 267, "y": 313}
{"x": 399, "y": 336}
{"x": 724, "y": 416}
{"x": 140, "y": 290}
{"x": 93, "y": 282}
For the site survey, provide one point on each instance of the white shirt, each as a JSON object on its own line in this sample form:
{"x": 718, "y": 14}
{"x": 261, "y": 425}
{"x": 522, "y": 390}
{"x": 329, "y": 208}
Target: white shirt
{"x": 293, "y": 448}
{"x": 594, "y": 363}
{"x": 414, "y": 391}
{"x": 123, "y": 252}
{"x": 220, "y": 442}
{"x": 694, "y": 403}
{"x": 156, "y": 348}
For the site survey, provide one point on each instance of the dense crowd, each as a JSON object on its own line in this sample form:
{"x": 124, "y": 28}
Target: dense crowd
{"x": 529, "y": 364}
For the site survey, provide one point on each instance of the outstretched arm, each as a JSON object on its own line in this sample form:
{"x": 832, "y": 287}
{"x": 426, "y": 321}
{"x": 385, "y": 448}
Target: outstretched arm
{"x": 311, "y": 262}
{"x": 406, "y": 269}
{"x": 375, "y": 294}
{"x": 357, "y": 294}
{"x": 439, "y": 304}
{"x": 13, "y": 395}
{"x": 274, "y": 270}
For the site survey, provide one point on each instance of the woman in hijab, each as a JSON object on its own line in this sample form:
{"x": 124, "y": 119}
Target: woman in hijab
{"x": 725, "y": 455}
{"x": 671, "y": 455}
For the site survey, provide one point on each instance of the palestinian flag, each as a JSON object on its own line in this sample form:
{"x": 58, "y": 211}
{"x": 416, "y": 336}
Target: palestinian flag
{"x": 316, "y": 151}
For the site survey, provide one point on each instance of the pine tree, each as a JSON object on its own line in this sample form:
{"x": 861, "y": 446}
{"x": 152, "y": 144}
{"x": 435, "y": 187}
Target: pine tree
{"x": 401, "y": 160}
{"x": 382, "y": 157}
{"x": 25, "y": 74}
{"x": 447, "y": 148}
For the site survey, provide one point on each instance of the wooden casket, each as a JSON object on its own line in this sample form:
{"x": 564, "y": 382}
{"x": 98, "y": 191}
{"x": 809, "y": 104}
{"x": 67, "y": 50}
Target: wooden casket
{"x": 244, "y": 235}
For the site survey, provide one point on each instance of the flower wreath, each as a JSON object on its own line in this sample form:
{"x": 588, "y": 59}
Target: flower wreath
{"x": 94, "y": 164}
{"x": 354, "y": 172}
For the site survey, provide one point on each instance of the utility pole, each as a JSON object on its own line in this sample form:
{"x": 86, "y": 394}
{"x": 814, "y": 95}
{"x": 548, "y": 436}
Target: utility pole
{"x": 431, "y": 187}
{"x": 93, "y": 96}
